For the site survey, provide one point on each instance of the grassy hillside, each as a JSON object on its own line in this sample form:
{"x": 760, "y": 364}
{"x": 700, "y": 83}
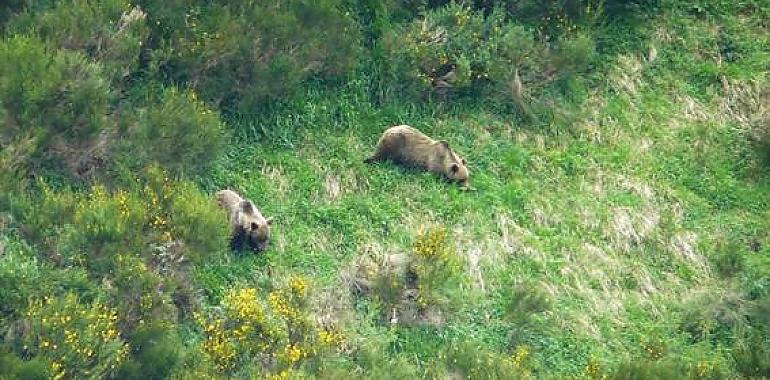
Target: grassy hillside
{"x": 621, "y": 232}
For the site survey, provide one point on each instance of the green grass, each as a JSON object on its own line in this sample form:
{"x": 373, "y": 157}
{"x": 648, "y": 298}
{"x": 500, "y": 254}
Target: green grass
{"x": 615, "y": 216}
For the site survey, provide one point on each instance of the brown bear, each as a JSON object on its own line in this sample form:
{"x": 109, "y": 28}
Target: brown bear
{"x": 248, "y": 225}
{"x": 408, "y": 146}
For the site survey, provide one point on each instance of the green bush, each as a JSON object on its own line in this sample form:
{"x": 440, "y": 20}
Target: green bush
{"x": 79, "y": 340}
{"x": 456, "y": 50}
{"x": 473, "y": 361}
{"x": 751, "y": 353}
{"x": 155, "y": 352}
{"x": 177, "y": 131}
{"x": 57, "y": 100}
{"x": 13, "y": 368}
{"x": 437, "y": 268}
{"x": 20, "y": 279}
{"x": 275, "y": 330}
{"x": 156, "y": 218}
{"x": 111, "y": 32}
{"x": 715, "y": 316}
{"x": 241, "y": 55}
{"x": 135, "y": 292}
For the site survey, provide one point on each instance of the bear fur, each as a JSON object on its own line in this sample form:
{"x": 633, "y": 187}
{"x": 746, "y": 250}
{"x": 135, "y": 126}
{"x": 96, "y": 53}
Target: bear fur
{"x": 408, "y": 146}
{"x": 247, "y": 224}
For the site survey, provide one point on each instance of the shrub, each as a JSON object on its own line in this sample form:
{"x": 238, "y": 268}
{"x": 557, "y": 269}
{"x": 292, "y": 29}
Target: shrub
{"x": 19, "y": 280}
{"x": 55, "y": 100}
{"x": 715, "y": 316}
{"x": 176, "y": 131}
{"x": 16, "y": 369}
{"x": 111, "y": 32}
{"x": 475, "y": 362}
{"x": 135, "y": 291}
{"x": 751, "y": 353}
{"x": 277, "y": 333}
{"x": 155, "y": 352}
{"x": 728, "y": 258}
{"x": 437, "y": 268}
{"x": 244, "y": 54}
{"x": 92, "y": 229}
{"x": 78, "y": 340}
{"x": 455, "y": 49}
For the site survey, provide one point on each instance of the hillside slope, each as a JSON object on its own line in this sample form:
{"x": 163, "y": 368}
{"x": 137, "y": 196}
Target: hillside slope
{"x": 626, "y": 235}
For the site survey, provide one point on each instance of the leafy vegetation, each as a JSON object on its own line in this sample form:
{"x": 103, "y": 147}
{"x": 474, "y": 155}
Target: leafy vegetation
{"x": 618, "y": 227}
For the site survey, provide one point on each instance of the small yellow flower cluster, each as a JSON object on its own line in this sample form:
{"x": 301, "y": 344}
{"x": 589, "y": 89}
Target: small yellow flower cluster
{"x": 72, "y": 335}
{"x": 593, "y": 370}
{"x": 298, "y": 286}
{"x": 218, "y": 345}
{"x": 330, "y": 338}
{"x": 293, "y": 354}
{"x": 283, "y": 375}
{"x": 122, "y": 197}
{"x": 432, "y": 244}
{"x": 654, "y": 348}
{"x": 242, "y": 304}
{"x": 279, "y": 304}
{"x": 519, "y": 356}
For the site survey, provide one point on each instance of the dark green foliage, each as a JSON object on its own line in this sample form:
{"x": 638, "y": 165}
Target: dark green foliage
{"x": 751, "y": 353}
{"x": 648, "y": 370}
{"x": 729, "y": 258}
{"x": 56, "y": 101}
{"x": 13, "y": 368}
{"x": 177, "y": 131}
{"x": 456, "y": 50}
{"x": 111, "y": 32}
{"x": 242, "y": 55}
{"x": 715, "y": 316}
{"x": 155, "y": 351}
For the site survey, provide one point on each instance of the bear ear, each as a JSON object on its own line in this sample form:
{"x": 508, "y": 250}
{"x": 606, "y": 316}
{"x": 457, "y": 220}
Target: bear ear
{"x": 269, "y": 220}
{"x": 464, "y": 163}
{"x": 454, "y": 168}
{"x": 247, "y": 207}
{"x": 444, "y": 143}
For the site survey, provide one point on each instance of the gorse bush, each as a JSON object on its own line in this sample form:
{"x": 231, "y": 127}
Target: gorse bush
{"x": 275, "y": 330}
{"x": 76, "y": 339}
{"x": 56, "y": 101}
{"x": 111, "y": 32}
{"x": 92, "y": 229}
{"x": 436, "y": 266}
{"x": 155, "y": 352}
{"x": 177, "y": 131}
{"x": 241, "y": 55}
{"x": 136, "y": 294}
{"x": 455, "y": 49}
{"x": 19, "y": 281}
{"x": 751, "y": 353}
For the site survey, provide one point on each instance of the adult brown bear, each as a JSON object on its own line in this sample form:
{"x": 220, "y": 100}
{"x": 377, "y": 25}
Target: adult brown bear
{"x": 408, "y": 146}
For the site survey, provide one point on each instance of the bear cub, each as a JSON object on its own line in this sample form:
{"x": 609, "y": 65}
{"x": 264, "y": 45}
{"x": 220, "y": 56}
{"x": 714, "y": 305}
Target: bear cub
{"x": 248, "y": 226}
